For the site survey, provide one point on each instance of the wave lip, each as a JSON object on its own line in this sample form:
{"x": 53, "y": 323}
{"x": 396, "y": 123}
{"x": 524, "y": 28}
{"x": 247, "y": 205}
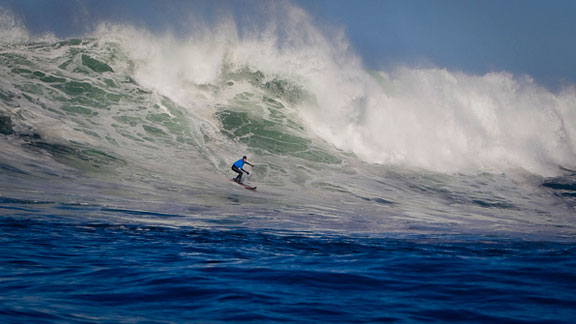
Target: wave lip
{"x": 452, "y": 122}
{"x": 432, "y": 119}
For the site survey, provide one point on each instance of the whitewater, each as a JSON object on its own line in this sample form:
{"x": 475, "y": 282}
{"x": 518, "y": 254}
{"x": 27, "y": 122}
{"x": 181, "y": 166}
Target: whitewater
{"x": 116, "y": 149}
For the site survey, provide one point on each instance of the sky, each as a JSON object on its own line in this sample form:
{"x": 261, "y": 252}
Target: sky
{"x": 531, "y": 37}
{"x": 523, "y": 37}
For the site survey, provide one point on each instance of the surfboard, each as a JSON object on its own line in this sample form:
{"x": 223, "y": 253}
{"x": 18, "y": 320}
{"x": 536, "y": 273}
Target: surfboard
{"x": 244, "y": 185}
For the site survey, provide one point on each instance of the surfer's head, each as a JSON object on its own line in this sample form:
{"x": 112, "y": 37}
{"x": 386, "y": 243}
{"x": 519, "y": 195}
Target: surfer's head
{"x": 244, "y": 158}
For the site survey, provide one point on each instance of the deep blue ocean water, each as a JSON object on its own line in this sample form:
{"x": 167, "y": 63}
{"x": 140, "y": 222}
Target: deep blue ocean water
{"x": 58, "y": 268}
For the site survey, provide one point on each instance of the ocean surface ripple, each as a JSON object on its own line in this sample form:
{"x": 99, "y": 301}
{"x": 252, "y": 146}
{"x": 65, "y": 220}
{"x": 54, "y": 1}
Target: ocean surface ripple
{"x": 65, "y": 270}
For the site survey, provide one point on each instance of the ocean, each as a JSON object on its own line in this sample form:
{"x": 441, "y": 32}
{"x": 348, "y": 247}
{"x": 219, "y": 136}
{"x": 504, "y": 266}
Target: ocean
{"x": 419, "y": 195}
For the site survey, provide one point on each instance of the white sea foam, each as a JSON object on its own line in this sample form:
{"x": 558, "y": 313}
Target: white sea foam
{"x": 432, "y": 118}
{"x": 450, "y": 121}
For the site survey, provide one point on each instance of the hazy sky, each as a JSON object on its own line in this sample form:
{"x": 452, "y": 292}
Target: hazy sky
{"x": 534, "y": 37}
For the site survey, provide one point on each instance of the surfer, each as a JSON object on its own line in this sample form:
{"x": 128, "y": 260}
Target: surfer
{"x": 237, "y": 167}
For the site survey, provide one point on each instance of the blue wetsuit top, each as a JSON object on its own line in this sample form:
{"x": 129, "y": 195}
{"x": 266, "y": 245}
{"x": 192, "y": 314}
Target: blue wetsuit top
{"x": 239, "y": 164}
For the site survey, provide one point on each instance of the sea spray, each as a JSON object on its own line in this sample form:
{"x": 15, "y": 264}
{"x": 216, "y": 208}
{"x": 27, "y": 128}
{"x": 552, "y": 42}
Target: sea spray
{"x": 452, "y": 122}
{"x": 435, "y": 119}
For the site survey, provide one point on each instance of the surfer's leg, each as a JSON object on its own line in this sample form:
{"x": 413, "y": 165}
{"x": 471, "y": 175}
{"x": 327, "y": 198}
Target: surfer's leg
{"x": 239, "y": 177}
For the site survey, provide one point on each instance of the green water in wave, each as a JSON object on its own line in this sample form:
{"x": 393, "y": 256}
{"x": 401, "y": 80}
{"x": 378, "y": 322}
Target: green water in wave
{"x": 94, "y": 114}
{"x": 88, "y": 89}
{"x": 268, "y": 136}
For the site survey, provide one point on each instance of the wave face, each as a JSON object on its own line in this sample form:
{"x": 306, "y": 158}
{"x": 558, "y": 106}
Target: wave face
{"x": 420, "y": 118}
{"x": 132, "y": 117}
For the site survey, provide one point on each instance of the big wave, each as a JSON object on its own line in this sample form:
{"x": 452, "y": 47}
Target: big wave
{"x": 289, "y": 90}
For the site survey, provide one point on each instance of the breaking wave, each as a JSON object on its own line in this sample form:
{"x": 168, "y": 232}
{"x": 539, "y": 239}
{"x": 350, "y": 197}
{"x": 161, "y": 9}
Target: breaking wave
{"x": 138, "y": 107}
